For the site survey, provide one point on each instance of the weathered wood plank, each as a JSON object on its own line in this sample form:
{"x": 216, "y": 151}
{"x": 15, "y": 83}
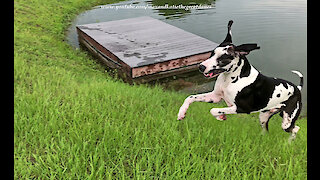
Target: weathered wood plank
{"x": 179, "y": 63}
{"x": 145, "y": 46}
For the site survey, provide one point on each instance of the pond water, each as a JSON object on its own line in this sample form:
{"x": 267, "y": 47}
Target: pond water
{"x": 279, "y": 27}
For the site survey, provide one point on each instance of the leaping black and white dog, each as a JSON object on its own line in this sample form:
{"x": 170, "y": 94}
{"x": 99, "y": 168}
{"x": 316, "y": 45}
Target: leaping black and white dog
{"x": 246, "y": 90}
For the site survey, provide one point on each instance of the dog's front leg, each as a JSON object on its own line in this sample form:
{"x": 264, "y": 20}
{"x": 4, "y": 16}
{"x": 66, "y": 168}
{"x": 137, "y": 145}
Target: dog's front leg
{"x": 220, "y": 113}
{"x": 211, "y": 97}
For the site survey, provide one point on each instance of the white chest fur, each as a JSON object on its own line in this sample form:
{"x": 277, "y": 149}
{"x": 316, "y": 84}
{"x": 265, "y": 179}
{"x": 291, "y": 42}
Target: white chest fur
{"x": 231, "y": 84}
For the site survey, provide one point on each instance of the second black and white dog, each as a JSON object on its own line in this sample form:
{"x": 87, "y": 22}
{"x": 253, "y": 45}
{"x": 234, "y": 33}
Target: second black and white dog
{"x": 246, "y": 90}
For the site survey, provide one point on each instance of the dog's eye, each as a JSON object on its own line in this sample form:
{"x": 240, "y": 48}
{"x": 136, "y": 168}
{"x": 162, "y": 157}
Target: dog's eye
{"x": 225, "y": 56}
{"x": 224, "y": 60}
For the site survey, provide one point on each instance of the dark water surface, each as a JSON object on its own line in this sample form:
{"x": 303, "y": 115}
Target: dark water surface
{"x": 278, "y": 26}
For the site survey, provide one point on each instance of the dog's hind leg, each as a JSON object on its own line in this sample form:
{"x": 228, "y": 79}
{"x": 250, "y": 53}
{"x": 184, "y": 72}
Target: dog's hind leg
{"x": 294, "y": 133}
{"x": 264, "y": 120}
{"x": 288, "y": 125}
{"x": 289, "y": 118}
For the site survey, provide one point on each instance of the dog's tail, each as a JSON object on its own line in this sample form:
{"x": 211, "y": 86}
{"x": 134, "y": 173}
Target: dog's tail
{"x": 301, "y": 79}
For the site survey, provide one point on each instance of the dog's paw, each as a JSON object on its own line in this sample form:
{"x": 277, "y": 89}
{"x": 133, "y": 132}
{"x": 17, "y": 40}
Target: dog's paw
{"x": 182, "y": 112}
{"x": 221, "y": 117}
{"x": 181, "y": 116}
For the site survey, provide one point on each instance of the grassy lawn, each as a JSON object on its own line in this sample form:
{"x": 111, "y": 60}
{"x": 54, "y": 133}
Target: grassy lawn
{"x": 73, "y": 121}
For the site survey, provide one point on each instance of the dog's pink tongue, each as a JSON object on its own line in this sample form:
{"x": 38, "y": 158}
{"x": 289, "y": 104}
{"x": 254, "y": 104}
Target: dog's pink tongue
{"x": 211, "y": 74}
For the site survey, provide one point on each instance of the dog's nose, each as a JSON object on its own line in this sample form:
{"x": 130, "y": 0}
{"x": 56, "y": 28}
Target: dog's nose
{"x": 202, "y": 68}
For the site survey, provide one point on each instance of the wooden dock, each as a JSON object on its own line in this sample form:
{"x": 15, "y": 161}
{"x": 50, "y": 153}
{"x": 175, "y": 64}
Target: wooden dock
{"x": 143, "y": 48}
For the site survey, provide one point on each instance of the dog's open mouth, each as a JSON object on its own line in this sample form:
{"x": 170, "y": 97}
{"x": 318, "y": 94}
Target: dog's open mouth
{"x": 213, "y": 73}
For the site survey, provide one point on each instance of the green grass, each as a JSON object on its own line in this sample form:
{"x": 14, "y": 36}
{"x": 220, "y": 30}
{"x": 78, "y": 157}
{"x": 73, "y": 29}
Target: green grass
{"x": 73, "y": 121}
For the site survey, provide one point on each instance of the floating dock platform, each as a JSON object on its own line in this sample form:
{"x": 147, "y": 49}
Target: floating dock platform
{"x": 144, "y": 48}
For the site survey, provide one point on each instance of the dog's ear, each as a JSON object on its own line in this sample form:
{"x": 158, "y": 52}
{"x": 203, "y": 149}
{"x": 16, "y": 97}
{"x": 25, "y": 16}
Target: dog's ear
{"x": 244, "y": 49}
{"x": 231, "y": 50}
{"x": 228, "y": 38}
